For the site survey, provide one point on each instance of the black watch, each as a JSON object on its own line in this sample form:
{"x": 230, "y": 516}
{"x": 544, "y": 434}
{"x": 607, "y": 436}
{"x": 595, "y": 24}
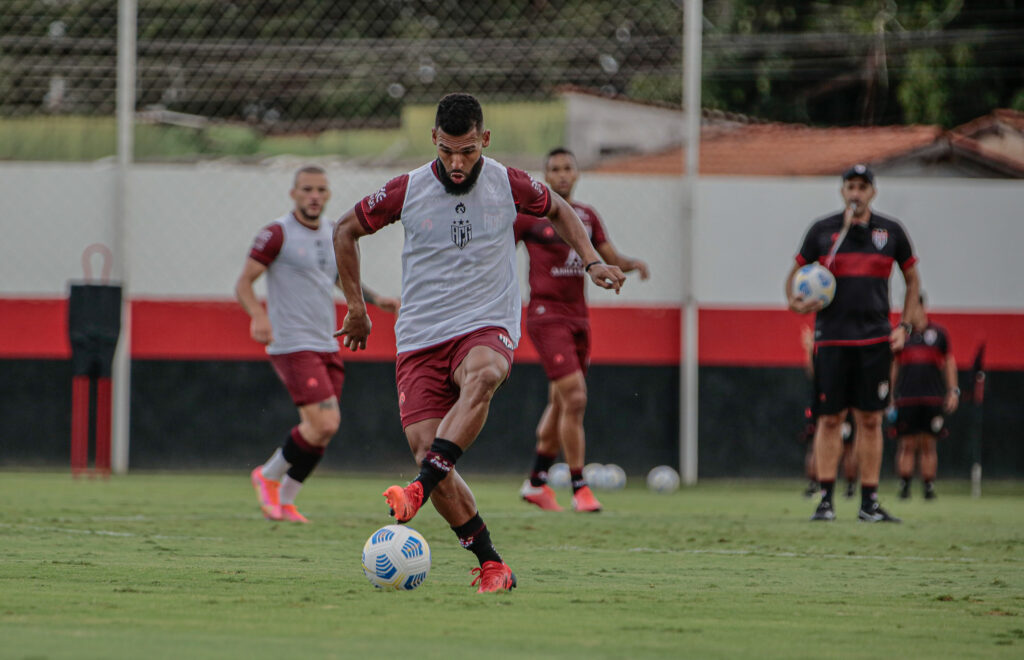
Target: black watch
{"x": 907, "y": 327}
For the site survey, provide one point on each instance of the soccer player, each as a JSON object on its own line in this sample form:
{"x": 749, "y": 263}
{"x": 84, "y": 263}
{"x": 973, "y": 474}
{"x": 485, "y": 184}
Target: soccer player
{"x": 557, "y": 323}
{"x": 295, "y": 252}
{"x": 926, "y": 389}
{"x": 854, "y": 341}
{"x": 460, "y": 307}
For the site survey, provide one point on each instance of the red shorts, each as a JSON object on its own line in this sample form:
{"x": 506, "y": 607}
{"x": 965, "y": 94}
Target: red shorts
{"x": 309, "y": 376}
{"x": 563, "y": 345}
{"x": 425, "y": 386}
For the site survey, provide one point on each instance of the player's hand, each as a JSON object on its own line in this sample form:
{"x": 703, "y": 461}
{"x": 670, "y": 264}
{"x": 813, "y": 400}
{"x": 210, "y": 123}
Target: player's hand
{"x": 389, "y": 305}
{"x": 354, "y": 330}
{"x": 641, "y": 266}
{"x": 261, "y": 331}
{"x": 607, "y": 277}
{"x": 897, "y": 338}
{"x": 951, "y": 403}
{"x": 801, "y": 306}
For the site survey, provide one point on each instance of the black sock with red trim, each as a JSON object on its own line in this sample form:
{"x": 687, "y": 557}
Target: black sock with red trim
{"x": 436, "y": 465}
{"x": 302, "y": 456}
{"x": 473, "y": 536}
{"x": 541, "y": 464}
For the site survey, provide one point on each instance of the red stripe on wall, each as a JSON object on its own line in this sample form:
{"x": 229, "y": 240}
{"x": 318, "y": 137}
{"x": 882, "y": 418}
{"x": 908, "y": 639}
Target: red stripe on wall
{"x": 202, "y": 330}
{"x": 34, "y": 328}
{"x": 729, "y": 336}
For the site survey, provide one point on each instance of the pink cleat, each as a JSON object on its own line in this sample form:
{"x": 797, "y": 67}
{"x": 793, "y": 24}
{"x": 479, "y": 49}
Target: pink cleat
{"x": 583, "y": 500}
{"x": 541, "y": 495}
{"x": 266, "y": 492}
{"x": 291, "y": 514}
{"x": 493, "y": 576}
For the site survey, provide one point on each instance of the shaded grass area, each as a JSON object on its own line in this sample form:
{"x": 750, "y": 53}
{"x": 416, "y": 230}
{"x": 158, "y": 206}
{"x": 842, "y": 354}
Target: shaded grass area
{"x": 182, "y": 565}
{"x": 517, "y": 128}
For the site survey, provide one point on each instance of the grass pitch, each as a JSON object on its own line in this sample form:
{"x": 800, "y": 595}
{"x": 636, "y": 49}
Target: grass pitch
{"x": 183, "y": 565}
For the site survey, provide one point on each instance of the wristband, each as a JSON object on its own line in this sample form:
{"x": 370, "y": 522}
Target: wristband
{"x": 586, "y": 269}
{"x": 907, "y": 327}
{"x": 955, "y": 390}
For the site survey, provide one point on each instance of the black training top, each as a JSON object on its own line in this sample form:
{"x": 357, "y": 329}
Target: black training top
{"x": 859, "y": 313}
{"x": 922, "y": 362}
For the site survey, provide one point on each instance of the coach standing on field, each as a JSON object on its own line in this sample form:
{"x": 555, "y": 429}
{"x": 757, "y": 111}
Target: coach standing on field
{"x": 853, "y": 339}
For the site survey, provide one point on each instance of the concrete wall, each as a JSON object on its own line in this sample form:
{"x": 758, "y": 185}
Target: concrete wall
{"x": 190, "y": 227}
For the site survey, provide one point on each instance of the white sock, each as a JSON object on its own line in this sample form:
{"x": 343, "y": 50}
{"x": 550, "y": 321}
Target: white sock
{"x": 276, "y": 466}
{"x": 288, "y": 490}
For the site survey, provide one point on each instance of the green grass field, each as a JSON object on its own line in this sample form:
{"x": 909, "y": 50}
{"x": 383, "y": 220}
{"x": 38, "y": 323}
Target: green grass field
{"x": 183, "y": 565}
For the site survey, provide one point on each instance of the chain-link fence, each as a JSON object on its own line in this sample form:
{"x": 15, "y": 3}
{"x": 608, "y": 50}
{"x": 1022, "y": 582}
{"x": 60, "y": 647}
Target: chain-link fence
{"x": 219, "y": 78}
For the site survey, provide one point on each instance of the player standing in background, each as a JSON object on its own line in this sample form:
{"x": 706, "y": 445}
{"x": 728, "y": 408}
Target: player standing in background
{"x": 854, "y": 341}
{"x": 296, "y": 254}
{"x": 926, "y": 389}
{"x": 558, "y": 325}
{"x": 460, "y": 307}
{"x": 849, "y": 459}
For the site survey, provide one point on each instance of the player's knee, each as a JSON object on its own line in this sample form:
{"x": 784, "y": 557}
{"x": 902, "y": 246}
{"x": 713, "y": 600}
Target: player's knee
{"x": 575, "y": 401}
{"x": 325, "y": 425}
{"x": 483, "y": 381}
{"x": 831, "y": 422}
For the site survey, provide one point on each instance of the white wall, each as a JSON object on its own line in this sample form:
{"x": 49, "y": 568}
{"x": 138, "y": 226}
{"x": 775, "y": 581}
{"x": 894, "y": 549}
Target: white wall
{"x": 191, "y": 225}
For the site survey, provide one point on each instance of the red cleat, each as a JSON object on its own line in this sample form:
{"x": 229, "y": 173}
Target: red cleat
{"x": 493, "y": 576}
{"x": 266, "y": 492}
{"x": 584, "y": 500}
{"x": 404, "y": 502}
{"x": 541, "y": 495}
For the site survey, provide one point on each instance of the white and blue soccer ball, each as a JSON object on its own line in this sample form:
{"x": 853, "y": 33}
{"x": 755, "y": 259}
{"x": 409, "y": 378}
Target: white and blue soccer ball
{"x": 815, "y": 282}
{"x": 611, "y": 477}
{"x": 558, "y": 475}
{"x": 663, "y": 479}
{"x": 592, "y": 472}
{"x": 396, "y": 558}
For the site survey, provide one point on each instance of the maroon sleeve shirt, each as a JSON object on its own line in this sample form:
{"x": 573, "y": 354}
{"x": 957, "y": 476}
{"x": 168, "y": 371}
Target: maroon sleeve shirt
{"x": 557, "y": 279}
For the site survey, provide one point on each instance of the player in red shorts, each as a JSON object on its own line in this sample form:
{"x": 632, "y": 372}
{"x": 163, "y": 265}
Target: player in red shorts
{"x": 460, "y": 307}
{"x": 558, "y": 325}
{"x": 295, "y": 253}
{"x": 926, "y": 391}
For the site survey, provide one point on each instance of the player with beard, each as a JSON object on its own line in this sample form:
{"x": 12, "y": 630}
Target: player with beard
{"x": 295, "y": 253}
{"x": 557, "y": 320}
{"x": 460, "y": 307}
{"x": 853, "y": 339}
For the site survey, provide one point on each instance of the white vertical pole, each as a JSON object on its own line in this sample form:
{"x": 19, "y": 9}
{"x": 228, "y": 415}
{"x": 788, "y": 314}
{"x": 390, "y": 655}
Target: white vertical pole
{"x": 692, "y": 24}
{"x": 127, "y": 17}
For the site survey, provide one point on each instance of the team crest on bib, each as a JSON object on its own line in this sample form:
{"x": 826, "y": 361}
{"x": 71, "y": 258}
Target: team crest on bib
{"x": 930, "y": 336}
{"x": 462, "y": 233}
{"x": 879, "y": 237}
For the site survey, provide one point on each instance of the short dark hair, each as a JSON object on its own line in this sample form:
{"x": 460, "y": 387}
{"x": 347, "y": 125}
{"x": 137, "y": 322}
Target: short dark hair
{"x": 308, "y": 169}
{"x": 558, "y": 151}
{"x": 458, "y": 114}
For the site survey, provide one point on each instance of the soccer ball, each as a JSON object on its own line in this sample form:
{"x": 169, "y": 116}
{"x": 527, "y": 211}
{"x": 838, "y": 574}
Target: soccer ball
{"x": 663, "y": 479}
{"x": 815, "y": 282}
{"x": 592, "y": 472}
{"x": 397, "y": 558}
{"x": 612, "y": 477}
{"x": 558, "y": 475}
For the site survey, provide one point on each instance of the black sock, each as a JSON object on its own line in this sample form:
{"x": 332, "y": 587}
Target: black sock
{"x": 473, "y": 536}
{"x": 826, "y": 490}
{"x": 436, "y": 465}
{"x": 541, "y": 464}
{"x": 303, "y": 456}
{"x": 577, "y": 479}
{"x": 868, "y": 496}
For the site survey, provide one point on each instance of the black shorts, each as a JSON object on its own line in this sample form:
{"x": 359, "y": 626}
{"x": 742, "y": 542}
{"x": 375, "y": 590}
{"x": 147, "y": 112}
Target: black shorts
{"x": 915, "y": 419}
{"x": 852, "y": 377}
